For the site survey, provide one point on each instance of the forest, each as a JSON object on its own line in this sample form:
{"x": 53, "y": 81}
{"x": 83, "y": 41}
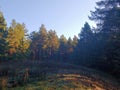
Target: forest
{"x": 95, "y": 47}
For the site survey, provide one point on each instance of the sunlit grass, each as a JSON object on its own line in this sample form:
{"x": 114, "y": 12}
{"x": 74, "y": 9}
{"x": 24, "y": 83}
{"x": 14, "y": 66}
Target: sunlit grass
{"x": 57, "y": 77}
{"x": 51, "y": 84}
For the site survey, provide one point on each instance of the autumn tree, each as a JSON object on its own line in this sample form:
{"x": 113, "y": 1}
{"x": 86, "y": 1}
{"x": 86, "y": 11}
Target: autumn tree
{"x": 16, "y": 38}
{"x": 53, "y": 42}
{"x": 62, "y": 47}
{"x": 44, "y": 43}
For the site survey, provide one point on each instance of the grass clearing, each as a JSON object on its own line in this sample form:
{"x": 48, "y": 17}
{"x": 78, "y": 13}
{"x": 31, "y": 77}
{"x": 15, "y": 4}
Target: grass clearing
{"x": 36, "y": 75}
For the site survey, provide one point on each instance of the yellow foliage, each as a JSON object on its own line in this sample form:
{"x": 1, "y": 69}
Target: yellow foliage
{"x": 16, "y": 38}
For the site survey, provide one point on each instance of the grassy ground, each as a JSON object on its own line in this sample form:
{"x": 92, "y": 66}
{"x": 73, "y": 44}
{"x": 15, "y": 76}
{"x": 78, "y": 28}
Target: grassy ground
{"x": 53, "y": 76}
{"x": 57, "y": 82}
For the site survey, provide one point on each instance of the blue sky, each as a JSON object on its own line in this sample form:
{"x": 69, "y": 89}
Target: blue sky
{"x": 64, "y": 16}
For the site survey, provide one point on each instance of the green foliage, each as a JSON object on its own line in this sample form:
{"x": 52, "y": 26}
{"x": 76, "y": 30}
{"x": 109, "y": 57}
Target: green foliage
{"x": 3, "y": 35}
{"x": 2, "y": 22}
{"x": 39, "y": 43}
{"x": 107, "y": 16}
{"x": 84, "y": 49}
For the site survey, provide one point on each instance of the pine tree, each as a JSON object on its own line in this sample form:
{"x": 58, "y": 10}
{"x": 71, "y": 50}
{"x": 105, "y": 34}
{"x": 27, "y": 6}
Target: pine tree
{"x": 34, "y": 44}
{"x": 107, "y": 16}
{"x": 75, "y": 41}
{"x": 2, "y": 22}
{"x": 85, "y": 44}
{"x": 69, "y": 45}
{"x": 53, "y": 42}
{"x": 63, "y": 47}
{"x": 86, "y": 33}
{"x": 3, "y": 34}
{"x": 42, "y": 39}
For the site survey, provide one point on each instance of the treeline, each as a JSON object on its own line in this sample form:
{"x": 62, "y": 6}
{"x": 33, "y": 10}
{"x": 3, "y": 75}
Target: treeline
{"x": 45, "y": 44}
{"x": 97, "y": 48}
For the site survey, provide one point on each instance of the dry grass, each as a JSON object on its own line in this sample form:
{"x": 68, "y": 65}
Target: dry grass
{"x": 58, "y": 76}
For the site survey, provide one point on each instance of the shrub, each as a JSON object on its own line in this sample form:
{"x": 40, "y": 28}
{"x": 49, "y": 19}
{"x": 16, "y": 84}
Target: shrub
{"x": 3, "y": 83}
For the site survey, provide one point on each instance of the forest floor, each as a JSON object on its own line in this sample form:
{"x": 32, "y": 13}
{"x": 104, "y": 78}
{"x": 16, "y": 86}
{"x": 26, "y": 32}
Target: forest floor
{"x": 57, "y": 76}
